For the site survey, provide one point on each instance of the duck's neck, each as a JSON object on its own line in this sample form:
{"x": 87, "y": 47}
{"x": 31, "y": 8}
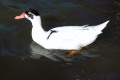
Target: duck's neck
{"x": 38, "y": 32}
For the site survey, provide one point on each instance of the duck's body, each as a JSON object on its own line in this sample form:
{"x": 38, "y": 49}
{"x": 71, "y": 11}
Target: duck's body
{"x": 65, "y": 37}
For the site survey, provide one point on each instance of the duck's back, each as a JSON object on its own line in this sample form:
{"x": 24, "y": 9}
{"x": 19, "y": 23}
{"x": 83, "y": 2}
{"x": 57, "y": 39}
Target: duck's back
{"x": 73, "y": 37}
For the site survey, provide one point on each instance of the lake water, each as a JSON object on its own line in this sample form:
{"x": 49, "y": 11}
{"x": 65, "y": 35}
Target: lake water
{"x": 23, "y": 59}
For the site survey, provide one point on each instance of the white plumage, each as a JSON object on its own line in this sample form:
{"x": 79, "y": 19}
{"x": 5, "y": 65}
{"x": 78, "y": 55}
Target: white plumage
{"x": 65, "y": 37}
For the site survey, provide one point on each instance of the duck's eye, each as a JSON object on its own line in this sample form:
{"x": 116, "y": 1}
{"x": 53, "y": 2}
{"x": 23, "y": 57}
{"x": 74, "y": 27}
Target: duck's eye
{"x": 29, "y": 13}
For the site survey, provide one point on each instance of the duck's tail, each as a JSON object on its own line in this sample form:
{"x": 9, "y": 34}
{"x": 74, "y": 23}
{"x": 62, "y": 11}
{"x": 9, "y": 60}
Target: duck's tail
{"x": 100, "y": 27}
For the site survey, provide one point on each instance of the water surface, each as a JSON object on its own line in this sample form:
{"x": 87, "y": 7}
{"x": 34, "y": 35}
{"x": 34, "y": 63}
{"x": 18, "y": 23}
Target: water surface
{"x": 23, "y": 59}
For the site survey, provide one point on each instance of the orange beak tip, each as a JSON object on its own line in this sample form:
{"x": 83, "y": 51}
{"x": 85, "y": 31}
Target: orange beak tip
{"x": 16, "y": 17}
{"x": 21, "y": 16}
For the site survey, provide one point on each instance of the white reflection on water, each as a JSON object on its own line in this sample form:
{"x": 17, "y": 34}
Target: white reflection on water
{"x": 38, "y": 52}
{"x": 57, "y": 55}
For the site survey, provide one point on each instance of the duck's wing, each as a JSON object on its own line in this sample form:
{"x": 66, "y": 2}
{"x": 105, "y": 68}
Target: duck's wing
{"x": 69, "y": 28}
{"x": 63, "y": 31}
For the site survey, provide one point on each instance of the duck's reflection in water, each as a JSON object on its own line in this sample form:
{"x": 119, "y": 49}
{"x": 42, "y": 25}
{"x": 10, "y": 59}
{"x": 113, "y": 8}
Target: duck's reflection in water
{"x": 38, "y": 52}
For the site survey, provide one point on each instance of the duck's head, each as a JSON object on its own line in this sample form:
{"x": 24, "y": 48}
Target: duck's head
{"x": 29, "y": 14}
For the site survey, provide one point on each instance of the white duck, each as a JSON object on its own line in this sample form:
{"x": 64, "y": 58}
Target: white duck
{"x": 65, "y": 37}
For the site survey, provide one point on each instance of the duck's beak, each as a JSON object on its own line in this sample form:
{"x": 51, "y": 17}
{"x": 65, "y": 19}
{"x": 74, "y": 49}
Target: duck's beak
{"x": 21, "y": 16}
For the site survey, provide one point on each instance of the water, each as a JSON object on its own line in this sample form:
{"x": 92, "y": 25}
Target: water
{"x": 23, "y": 59}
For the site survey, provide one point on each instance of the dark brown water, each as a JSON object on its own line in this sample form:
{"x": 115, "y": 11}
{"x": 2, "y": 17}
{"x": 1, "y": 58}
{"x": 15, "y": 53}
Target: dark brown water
{"x": 22, "y": 59}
